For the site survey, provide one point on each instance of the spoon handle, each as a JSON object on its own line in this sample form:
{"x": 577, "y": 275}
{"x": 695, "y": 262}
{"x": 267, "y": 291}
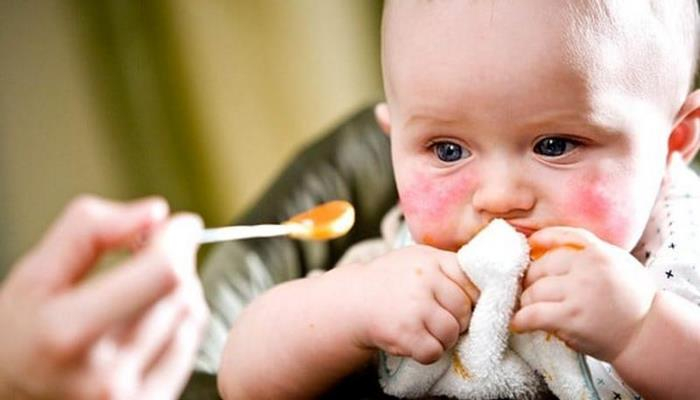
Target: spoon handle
{"x": 238, "y": 232}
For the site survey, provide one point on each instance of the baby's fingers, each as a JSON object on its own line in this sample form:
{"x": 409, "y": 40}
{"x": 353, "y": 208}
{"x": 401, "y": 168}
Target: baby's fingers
{"x": 426, "y": 349}
{"x": 546, "y": 317}
{"x": 444, "y": 327}
{"x": 550, "y": 289}
{"x": 453, "y": 299}
{"x": 556, "y": 262}
{"x": 553, "y": 237}
{"x": 449, "y": 265}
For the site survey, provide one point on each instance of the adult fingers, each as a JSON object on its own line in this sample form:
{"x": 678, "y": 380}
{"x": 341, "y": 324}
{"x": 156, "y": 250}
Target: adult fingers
{"x": 126, "y": 292}
{"x": 87, "y": 227}
{"x": 179, "y": 240}
{"x": 147, "y": 338}
{"x": 188, "y": 303}
{"x": 84, "y": 314}
{"x": 168, "y": 375}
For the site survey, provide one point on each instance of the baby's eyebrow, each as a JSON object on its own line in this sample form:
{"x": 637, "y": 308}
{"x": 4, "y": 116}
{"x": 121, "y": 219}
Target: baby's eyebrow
{"x": 421, "y": 119}
{"x": 563, "y": 120}
{"x": 572, "y": 120}
{"x": 552, "y": 115}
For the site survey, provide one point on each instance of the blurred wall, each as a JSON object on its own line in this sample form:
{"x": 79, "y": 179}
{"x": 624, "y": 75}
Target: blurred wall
{"x": 201, "y": 102}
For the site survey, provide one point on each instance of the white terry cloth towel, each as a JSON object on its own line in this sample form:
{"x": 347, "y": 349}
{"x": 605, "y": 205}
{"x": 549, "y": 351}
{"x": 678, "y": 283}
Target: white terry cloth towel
{"x": 488, "y": 362}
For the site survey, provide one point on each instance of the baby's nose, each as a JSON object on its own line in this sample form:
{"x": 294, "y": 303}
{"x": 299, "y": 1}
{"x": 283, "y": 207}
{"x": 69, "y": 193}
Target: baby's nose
{"x": 503, "y": 191}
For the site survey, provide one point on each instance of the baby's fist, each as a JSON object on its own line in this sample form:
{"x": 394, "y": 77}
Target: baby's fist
{"x": 416, "y": 303}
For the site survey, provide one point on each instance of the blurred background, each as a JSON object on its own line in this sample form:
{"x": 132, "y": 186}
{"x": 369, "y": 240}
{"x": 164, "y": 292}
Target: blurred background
{"x": 202, "y": 102}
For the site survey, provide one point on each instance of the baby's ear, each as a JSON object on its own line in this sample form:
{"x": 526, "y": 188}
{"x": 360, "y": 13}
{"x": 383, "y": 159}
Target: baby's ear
{"x": 381, "y": 113}
{"x": 685, "y": 137}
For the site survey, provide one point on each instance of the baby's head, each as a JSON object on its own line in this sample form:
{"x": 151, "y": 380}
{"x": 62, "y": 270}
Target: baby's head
{"x": 541, "y": 112}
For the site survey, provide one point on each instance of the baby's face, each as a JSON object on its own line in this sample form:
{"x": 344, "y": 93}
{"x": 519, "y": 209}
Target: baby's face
{"x": 500, "y": 109}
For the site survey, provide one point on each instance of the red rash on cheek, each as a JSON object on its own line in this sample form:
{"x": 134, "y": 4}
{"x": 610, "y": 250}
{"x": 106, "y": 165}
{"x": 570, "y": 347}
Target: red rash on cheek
{"x": 434, "y": 207}
{"x": 593, "y": 203}
{"x": 588, "y": 201}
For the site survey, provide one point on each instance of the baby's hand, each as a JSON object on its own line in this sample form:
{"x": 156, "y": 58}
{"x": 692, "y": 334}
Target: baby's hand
{"x": 591, "y": 294}
{"x": 412, "y": 302}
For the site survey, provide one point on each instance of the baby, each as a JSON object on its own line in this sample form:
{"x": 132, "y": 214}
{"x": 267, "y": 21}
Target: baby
{"x": 566, "y": 120}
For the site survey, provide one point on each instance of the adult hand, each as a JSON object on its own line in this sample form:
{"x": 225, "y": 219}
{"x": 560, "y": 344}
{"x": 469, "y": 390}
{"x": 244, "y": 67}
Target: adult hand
{"x": 130, "y": 333}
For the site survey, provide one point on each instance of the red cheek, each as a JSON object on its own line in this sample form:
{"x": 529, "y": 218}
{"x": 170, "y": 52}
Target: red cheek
{"x": 593, "y": 204}
{"x": 434, "y": 207}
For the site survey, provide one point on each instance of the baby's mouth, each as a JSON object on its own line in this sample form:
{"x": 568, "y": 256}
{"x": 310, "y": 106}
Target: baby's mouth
{"x": 525, "y": 230}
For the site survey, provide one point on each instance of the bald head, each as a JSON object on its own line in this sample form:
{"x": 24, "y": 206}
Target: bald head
{"x": 651, "y": 45}
{"x": 649, "y": 48}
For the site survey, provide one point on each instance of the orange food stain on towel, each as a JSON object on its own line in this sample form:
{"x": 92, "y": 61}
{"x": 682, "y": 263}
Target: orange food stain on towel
{"x": 458, "y": 367}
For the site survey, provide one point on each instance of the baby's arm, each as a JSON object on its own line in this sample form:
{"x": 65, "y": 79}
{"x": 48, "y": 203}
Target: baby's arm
{"x": 663, "y": 359}
{"x": 301, "y": 337}
{"x": 292, "y": 342}
{"x": 599, "y": 300}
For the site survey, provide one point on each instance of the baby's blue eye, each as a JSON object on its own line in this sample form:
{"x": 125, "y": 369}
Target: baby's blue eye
{"x": 449, "y": 152}
{"x": 555, "y": 146}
